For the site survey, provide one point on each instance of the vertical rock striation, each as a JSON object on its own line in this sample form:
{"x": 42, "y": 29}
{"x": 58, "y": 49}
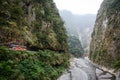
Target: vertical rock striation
{"x": 105, "y": 44}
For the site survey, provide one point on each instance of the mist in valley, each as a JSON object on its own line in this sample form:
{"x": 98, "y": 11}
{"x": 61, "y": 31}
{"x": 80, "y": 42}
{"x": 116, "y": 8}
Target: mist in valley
{"x": 80, "y": 26}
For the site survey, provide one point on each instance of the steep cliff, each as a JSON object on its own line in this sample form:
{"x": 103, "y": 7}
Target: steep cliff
{"x": 105, "y": 44}
{"x": 33, "y": 23}
{"x": 37, "y": 25}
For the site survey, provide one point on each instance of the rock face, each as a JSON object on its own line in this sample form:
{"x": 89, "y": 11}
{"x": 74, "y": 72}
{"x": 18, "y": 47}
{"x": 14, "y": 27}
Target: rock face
{"x": 34, "y": 23}
{"x": 105, "y": 44}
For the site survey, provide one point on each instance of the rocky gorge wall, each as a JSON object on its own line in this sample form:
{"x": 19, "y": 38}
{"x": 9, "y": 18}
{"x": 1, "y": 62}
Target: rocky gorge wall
{"x": 33, "y": 40}
{"x": 32, "y": 23}
{"x": 105, "y": 44}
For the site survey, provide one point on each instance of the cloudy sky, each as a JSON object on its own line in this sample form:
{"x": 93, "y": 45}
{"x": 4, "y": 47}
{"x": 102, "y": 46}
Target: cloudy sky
{"x": 79, "y": 6}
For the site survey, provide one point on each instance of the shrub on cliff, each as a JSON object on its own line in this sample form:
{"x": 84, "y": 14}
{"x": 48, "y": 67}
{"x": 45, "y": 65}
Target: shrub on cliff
{"x": 28, "y": 65}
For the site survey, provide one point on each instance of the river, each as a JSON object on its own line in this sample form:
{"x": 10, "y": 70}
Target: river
{"x": 83, "y": 69}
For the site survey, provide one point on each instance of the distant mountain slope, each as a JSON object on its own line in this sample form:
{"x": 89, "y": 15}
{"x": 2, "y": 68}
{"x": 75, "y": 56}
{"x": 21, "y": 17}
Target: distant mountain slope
{"x": 79, "y": 25}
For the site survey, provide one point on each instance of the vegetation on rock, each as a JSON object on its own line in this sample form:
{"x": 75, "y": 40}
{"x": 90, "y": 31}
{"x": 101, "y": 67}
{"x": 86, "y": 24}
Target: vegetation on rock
{"x": 105, "y": 44}
{"x": 37, "y": 25}
{"x": 75, "y": 47}
{"x": 29, "y": 65}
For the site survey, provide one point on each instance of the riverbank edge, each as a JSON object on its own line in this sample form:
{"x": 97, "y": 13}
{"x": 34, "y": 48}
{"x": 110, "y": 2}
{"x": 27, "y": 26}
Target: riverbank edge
{"x": 110, "y": 71}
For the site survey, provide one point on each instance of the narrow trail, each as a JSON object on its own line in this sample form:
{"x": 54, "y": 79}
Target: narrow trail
{"x": 83, "y": 69}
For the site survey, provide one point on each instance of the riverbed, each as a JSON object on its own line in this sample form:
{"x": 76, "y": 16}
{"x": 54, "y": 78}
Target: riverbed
{"x": 83, "y": 69}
